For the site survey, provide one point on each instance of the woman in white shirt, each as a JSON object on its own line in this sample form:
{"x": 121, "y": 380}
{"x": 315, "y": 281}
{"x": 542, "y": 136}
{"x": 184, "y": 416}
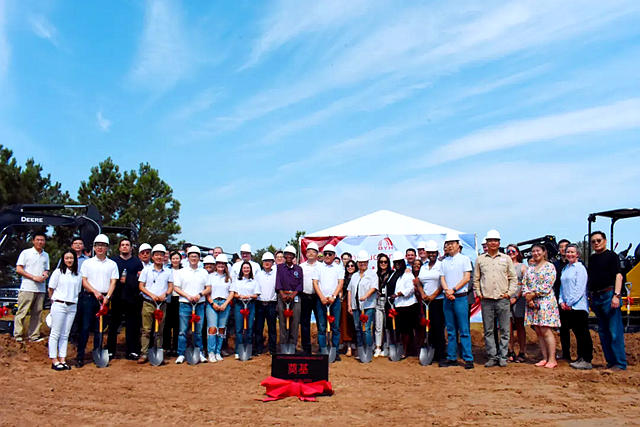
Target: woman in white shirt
{"x": 246, "y": 288}
{"x": 407, "y": 305}
{"x": 218, "y": 307}
{"x": 363, "y": 292}
{"x": 64, "y": 287}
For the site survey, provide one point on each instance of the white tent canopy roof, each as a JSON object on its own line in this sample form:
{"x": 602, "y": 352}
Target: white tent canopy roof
{"x": 383, "y": 222}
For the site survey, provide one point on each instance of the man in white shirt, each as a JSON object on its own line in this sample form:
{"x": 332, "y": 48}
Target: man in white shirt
{"x": 156, "y": 284}
{"x": 328, "y": 287}
{"x": 144, "y": 254}
{"x": 308, "y": 297}
{"x": 99, "y": 275}
{"x": 266, "y": 305}
{"x": 456, "y": 273}
{"x": 245, "y": 255}
{"x": 33, "y": 266}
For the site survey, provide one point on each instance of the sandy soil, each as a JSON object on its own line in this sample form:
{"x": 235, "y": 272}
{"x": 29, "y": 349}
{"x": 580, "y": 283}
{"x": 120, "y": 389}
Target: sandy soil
{"x": 228, "y": 392}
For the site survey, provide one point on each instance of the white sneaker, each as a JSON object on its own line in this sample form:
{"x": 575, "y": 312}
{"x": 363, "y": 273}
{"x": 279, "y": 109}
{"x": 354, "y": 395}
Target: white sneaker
{"x": 377, "y": 353}
{"x": 180, "y": 360}
{"x": 202, "y": 358}
{"x": 237, "y": 357}
{"x": 212, "y": 358}
{"x": 19, "y": 339}
{"x": 219, "y": 357}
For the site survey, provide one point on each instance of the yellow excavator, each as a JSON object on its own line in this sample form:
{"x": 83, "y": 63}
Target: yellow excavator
{"x": 629, "y": 264}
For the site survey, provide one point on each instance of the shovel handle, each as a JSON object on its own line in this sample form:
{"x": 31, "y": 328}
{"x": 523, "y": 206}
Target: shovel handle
{"x": 328, "y": 323}
{"x": 245, "y": 323}
{"x": 393, "y": 322}
{"x": 427, "y": 316}
{"x": 287, "y": 323}
{"x": 193, "y": 326}
{"x": 156, "y": 326}
{"x": 100, "y": 323}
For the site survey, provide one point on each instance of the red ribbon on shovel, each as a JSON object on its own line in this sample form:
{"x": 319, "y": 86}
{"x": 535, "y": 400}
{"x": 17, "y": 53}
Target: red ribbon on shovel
{"x": 363, "y": 320}
{"x": 245, "y": 315}
{"x": 103, "y": 310}
{"x": 158, "y": 315}
{"x": 194, "y": 318}
{"x": 279, "y": 389}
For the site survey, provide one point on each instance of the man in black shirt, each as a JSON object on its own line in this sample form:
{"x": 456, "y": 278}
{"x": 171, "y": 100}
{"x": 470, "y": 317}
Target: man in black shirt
{"x": 126, "y": 301}
{"x": 604, "y": 285}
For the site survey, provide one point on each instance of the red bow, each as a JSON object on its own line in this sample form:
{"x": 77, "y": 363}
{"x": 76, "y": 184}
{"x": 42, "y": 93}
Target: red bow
{"x": 158, "y": 315}
{"x": 630, "y": 300}
{"x": 103, "y": 310}
{"x": 4, "y": 311}
{"x": 194, "y": 318}
{"x": 392, "y": 313}
{"x": 331, "y": 318}
{"x": 279, "y": 389}
{"x": 288, "y": 312}
{"x": 424, "y": 321}
{"x": 244, "y": 312}
{"x": 363, "y": 318}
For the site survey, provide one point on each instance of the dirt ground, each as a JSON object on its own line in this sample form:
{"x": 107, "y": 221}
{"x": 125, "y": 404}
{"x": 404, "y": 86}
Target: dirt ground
{"x": 228, "y": 392}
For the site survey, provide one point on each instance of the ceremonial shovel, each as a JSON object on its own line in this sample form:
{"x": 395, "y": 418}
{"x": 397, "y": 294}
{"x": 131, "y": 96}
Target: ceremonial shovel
{"x": 101, "y": 355}
{"x": 426, "y": 351}
{"x": 156, "y": 355}
{"x": 244, "y": 350}
{"x": 192, "y": 354}
{"x": 395, "y": 348}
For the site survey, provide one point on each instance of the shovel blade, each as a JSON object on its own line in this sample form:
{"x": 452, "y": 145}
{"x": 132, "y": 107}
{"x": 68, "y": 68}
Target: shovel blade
{"x": 192, "y": 354}
{"x": 426, "y": 355}
{"x": 101, "y": 357}
{"x": 288, "y": 348}
{"x": 394, "y": 353}
{"x": 324, "y": 350}
{"x": 156, "y": 356}
{"x": 244, "y": 352}
{"x": 332, "y": 354}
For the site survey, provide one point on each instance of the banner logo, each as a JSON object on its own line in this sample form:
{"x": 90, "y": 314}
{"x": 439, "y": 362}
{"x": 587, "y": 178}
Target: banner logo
{"x": 385, "y": 245}
{"x": 30, "y": 219}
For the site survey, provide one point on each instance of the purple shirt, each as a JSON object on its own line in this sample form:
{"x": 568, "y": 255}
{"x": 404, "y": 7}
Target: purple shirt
{"x": 289, "y": 279}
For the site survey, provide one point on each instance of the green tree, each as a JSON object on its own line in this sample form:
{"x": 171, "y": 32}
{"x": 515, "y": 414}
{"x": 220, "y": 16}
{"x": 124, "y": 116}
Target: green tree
{"x": 295, "y": 241}
{"x": 139, "y": 198}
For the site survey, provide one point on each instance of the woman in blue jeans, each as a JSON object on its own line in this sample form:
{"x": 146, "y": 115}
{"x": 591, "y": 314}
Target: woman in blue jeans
{"x": 363, "y": 292}
{"x": 245, "y": 288}
{"x": 218, "y": 307}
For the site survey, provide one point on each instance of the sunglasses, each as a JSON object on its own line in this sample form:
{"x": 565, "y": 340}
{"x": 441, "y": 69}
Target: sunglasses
{"x": 382, "y": 261}
{"x": 596, "y": 240}
{"x": 511, "y": 251}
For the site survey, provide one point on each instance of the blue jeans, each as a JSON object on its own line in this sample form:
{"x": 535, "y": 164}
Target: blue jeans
{"x": 610, "y": 329}
{"x": 216, "y": 320}
{"x": 456, "y": 318}
{"x": 185, "y": 315}
{"x": 321, "y": 323}
{"x": 368, "y": 335}
{"x": 247, "y": 337}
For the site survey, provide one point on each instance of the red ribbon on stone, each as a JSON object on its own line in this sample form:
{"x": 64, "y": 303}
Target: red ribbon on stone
{"x": 277, "y": 389}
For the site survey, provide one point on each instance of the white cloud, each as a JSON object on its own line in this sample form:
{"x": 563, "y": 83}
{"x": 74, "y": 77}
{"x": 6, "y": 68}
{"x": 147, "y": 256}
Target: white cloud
{"x": 617, "y": 116}
{"x": 5, "y": 49}
{"x": 202, "y": 102}
{"x": 103, "y": 123}
{"x": 44, "y": 29}
{"x": 164, "y": 56}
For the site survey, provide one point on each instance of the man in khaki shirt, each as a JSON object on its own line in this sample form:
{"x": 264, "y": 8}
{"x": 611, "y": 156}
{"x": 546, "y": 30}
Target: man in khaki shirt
{"x": 495, "y": 282}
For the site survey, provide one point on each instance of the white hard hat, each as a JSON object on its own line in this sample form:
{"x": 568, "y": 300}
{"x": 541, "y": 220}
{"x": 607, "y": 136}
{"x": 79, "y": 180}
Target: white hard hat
{"x": 452, "y": 237}
{"x": 159, "y": 248}
{"x": 493, "y": 234}
{"x": 431, "y": 246}
{"x": 144, "y": 247}
{"x": 314, "y": 246}
{"x": 101, "y": 238}
{"x": 421, "y": 245}
{"x": 222, "y": 258}
{"x": 209, "y": 259}
{"x": 268, "y": 256}
{"x": 331, "y": 248}
{"x": 397, "y": 256}
{"x": 484, "y": 240}
{"x": 194, "y": 250}
{"x": 362, "y": 256}
{"x": 245, "y": 248}
{"x": 290, "y": 249}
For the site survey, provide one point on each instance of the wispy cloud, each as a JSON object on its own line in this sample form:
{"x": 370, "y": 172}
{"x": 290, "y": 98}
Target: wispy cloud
{"x": 5, "y": 49}
{"x": 103, "y": 123}
{"x": 44, "y": 29}
{"x": 617, "y": 116}
{"x": 200, "y": 103}
{"x": 164, "y": 54}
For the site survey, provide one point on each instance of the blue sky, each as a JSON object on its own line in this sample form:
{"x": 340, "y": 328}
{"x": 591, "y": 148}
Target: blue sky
{"x": 268, "y": 117}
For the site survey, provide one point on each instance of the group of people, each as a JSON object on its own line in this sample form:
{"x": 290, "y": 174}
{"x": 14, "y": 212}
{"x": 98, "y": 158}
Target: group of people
{"x": 355, "y": 304}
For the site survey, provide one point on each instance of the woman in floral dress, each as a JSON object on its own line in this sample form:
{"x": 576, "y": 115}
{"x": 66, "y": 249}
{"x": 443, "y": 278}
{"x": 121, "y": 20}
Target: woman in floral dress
{"x": 542, "y": 307}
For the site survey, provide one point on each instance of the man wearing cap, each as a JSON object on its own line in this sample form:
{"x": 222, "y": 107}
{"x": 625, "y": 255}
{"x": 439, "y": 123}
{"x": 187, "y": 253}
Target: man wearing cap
{"x": 308, "y": 297}
{"x": 191, "y": 283}
{"x": 289, "y": 283}
{"x": 126, "y": 301}
{"x": 422, "y": 253}
{"x": 156, "y": 284}
{"x": 456, "y": 273}
{"x": 495, "y": 283}
{"x": 33, "y": 266}
{"x": 144, "y": 254}
{"x": 266, "y": 306}
{"x": 245, "y": 255}
{"x": 99, "y": 276}
{"x": 328, "y": 287}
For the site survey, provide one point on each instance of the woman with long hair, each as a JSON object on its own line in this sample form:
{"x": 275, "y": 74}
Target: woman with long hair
{"x": 384, "y": 271}
{"x": 542, "y": 307}
{"x": 407, "y": 305}
{"x": 247, "y": 289}
{"x": 517, "y": 310}
{"x": 64, "y": 287}
{"x": 347, "y": 330}
{"x": 218, "y": 307}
